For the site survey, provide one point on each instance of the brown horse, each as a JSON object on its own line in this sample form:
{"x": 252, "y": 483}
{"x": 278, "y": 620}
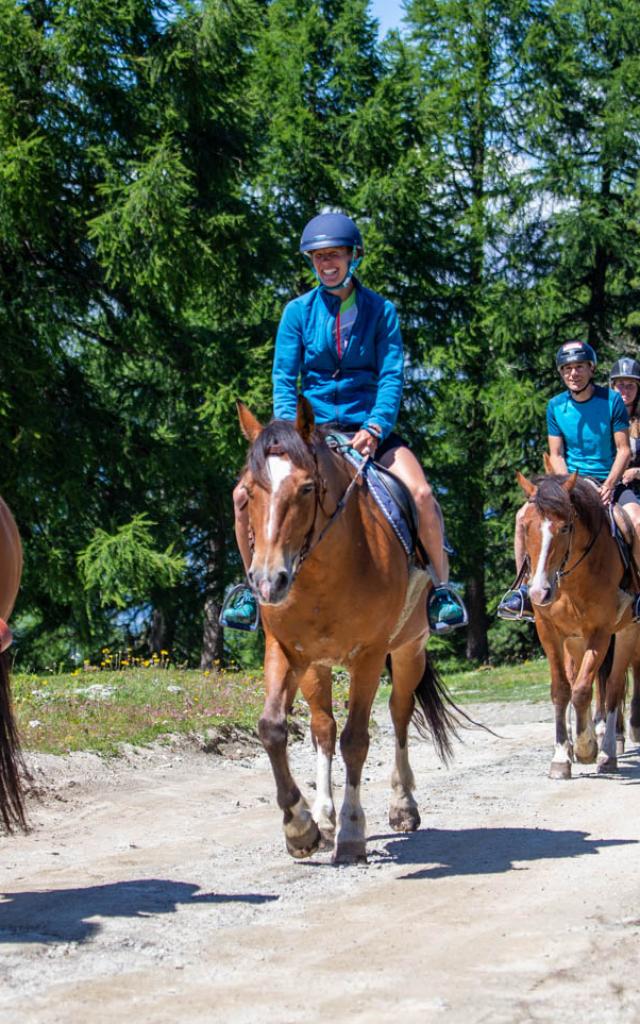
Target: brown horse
{"x": 11, "y": 799}
{"x": 335, "y": 587}
{"x": 576, "y": 573}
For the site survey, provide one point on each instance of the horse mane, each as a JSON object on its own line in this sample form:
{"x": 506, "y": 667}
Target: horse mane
{"x": 551, "y": 496}
{"x": 280, "y": 437}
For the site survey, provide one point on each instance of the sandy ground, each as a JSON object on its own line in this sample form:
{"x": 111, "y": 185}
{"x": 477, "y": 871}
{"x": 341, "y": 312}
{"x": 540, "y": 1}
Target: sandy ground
{"x": 156, "y": 887}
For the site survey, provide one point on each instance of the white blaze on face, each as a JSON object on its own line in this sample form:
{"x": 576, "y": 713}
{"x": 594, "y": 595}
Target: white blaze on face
{"x": 279, "y": 469}
{"x": 540, "y": 581}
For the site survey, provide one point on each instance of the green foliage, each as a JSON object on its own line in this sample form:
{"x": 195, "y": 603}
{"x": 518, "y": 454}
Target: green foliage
{"x": 157, "y": 163}
{"x": 124, "y": 567}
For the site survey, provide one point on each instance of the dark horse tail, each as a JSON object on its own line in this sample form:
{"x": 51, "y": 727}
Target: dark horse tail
{"x": 432, "y": 712}
{"x": 12, "y": 809}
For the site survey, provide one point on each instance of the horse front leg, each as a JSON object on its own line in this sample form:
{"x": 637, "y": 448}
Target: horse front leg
{"x": 354, "y": 744}
{"x": 408, "y": 665}
{"x": 300, "y": 830}
{"x": 560, "y": 767}
{"x": 607, "y": 760}
{"x": 316, "y": 685}
{"x": 586, "y": 745}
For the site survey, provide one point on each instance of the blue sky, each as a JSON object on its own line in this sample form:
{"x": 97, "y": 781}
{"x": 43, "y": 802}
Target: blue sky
{"x": 388, "y": 13}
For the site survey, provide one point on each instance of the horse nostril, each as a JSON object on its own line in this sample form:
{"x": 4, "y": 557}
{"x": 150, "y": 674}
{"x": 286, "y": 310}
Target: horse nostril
{"x": 282, "y": 580}
{"x": 250, "y": 576}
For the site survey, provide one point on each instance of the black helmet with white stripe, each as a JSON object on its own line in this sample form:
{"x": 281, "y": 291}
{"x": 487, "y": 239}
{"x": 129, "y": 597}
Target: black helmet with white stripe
{"x": 575, "y": 352}
{"x": 625, "y": 367}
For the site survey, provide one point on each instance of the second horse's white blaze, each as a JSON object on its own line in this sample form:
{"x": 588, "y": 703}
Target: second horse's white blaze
{"x": 279, "y": 469}
{"x": 540, "y": 581}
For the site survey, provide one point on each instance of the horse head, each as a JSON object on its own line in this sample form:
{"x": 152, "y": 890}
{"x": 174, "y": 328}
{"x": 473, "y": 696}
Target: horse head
{"x": 285, "y": 490}
{"x": 549, "y": 526}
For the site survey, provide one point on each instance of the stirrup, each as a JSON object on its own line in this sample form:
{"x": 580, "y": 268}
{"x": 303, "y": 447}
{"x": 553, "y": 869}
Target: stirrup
{"x": 519, "y": 611}
{"x": 229, "y": 617}
{"x": 453, "y": 598}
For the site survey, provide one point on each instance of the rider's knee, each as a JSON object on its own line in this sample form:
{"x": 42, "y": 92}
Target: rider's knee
{"x": 424, "y": 499}
{"x": 240, "y": 499}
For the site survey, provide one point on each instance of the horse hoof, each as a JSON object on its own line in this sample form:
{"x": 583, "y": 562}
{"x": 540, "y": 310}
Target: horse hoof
{"x": 560, "y": 770}
{"x": 304, "y": 845}
{"x": 404, "y": 819}
{"x": 606, "y": 764}
{"x": 587, "y": 756}
{"x": 350, "y": 852}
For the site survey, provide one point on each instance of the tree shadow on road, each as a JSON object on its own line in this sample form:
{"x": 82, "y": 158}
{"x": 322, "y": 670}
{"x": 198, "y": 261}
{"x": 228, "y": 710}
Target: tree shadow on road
{"x": 446, "y": 853}
{"x": 63, "y": 915}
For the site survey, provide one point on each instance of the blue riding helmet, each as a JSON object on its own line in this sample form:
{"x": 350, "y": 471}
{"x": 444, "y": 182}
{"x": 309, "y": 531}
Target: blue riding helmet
{"x": 327, "y": 231}
{"x": 575, "y": 352}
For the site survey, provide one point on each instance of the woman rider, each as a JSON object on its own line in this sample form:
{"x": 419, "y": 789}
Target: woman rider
{"x": 625, "y": 379}
{"x": 344, "y": 341}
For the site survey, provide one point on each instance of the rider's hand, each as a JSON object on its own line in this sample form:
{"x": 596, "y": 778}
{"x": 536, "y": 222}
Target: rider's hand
{"x": 364, "y": 443}
{"x": 606, "y": 492}
{"x": 630, "y": 475}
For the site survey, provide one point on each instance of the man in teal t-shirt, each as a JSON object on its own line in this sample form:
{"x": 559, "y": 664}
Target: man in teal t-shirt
{"x": 588, "y": 431}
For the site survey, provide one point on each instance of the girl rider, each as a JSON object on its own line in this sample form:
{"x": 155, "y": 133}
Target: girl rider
{"x": 588, "y": 431}
{"x": 625, "y": 379}
{"x": 344, "y": 342}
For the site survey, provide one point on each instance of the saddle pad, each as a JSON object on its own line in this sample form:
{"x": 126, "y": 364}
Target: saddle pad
{"x": 381, "y": 491}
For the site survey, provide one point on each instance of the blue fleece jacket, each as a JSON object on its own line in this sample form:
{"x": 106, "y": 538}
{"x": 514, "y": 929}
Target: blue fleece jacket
{"x": 365, "y": 386}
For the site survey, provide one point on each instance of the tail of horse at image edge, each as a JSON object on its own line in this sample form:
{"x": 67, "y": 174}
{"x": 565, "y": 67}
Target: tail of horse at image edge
{"x": 12, "y": 809}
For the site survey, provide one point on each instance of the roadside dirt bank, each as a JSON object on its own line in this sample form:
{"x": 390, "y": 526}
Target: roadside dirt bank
{"x": 156, "y": 887}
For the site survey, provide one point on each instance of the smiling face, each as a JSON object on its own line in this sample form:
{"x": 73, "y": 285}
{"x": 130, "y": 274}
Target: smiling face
{"x": 332, "y": 266}
{"x": 577, "y": 376}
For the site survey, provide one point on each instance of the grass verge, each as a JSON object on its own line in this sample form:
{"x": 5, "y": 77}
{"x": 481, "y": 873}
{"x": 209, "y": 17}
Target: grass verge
{"x": 99, "y": 711}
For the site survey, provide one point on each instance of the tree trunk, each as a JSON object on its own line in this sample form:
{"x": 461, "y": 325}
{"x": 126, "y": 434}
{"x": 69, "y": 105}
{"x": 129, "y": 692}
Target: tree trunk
{"x": 477, "y": 641}
{"x": 212, "y": 633}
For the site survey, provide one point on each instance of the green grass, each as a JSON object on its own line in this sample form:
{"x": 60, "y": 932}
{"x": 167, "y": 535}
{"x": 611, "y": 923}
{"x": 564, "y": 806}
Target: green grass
{"x": 99, "y": 711}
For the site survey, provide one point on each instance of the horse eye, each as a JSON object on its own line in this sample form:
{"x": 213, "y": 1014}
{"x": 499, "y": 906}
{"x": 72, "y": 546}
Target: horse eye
{"x": 307, "y": 488}
{"x": 564, "y": 529}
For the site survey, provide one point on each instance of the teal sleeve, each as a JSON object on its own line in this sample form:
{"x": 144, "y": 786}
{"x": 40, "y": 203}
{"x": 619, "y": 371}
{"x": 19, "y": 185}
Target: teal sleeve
{"x": 619, "y": 415}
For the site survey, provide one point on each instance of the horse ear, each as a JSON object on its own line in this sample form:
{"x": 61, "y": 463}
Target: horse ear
{"x": 305, "y": 420}
{"x": 528, "y": 488}
{"x": 548, "y": 468}
{"x": 249, "y": 425}
{"x": 570, "y": 482}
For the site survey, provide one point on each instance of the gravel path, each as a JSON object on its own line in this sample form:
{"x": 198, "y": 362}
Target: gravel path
{"x": 157, "y": 887}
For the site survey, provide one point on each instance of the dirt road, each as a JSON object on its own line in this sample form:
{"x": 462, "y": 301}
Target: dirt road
{"x": 157, "y": 888}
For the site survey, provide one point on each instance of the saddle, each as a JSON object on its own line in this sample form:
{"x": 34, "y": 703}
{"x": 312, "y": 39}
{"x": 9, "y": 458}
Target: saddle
{"x": 392, "y": 497}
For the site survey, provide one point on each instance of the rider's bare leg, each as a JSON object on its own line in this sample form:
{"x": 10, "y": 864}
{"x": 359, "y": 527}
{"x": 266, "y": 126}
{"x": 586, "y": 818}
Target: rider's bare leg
{"x": 241, "y": 511}
{"x": 404, "y": 464}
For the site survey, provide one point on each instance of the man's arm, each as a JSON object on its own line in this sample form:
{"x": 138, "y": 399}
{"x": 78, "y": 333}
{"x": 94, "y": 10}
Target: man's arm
{"x": 556, "y": 452}
{"x": 620, "y": 463}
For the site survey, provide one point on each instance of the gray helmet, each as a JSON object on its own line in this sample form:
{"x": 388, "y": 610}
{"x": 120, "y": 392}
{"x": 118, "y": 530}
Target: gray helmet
{"x": 625, "y": 367}
{"x": 575, "y": 352}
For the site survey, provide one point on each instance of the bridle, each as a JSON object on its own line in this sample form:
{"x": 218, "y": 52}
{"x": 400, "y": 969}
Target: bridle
{"x": 320, "y": 487}
{"x": 561, "y": 573}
